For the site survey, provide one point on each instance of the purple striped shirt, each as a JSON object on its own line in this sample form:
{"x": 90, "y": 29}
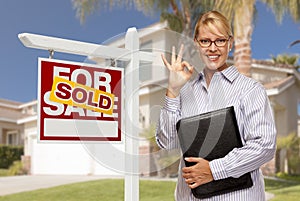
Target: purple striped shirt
{"x": 255, "y": 121}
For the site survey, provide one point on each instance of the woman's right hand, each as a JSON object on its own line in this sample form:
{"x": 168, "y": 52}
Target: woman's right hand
{"x": 180, "y": 72}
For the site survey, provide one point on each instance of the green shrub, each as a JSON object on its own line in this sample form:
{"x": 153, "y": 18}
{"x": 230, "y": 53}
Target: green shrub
{"x": 288, "y": 177}
{"x": 291, "y": 144}
{"x": 16, "y": 169}
{"x": 281, "y": 174}
{"x": 9, "y": 154}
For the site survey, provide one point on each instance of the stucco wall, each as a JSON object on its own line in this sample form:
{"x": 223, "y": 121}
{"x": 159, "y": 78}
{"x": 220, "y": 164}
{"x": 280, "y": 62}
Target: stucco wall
{"x": 286, "y": 115}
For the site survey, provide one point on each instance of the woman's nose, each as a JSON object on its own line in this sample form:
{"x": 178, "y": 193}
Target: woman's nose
{"x": 212, "y": 47}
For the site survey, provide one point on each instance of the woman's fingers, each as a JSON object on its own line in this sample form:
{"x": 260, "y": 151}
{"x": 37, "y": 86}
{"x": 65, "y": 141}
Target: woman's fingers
{"x": 179, "y": 57}
{"x": 165, "y": 61}
{"x": 177, "y": 65}
{"x": 188, "y": 66}
{"x": 173, "y": 57}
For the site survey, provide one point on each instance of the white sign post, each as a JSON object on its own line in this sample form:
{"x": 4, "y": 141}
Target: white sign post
{"x": 132, "y": 54}
{"x": 132, "y": 117}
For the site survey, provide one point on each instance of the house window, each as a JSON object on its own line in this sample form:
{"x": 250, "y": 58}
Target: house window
{"x": 145, "y": 71}
{"x": 34, "y": 108}
{"x": 12, "y": 138}
{"x": 145, "y": 68}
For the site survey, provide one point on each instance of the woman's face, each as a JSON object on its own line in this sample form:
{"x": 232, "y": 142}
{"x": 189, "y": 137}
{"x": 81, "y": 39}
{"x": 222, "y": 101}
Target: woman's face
{"x": 214, "y": 55}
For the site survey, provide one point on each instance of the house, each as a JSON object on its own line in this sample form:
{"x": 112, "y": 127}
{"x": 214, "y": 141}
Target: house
{"x": 18, "y": 122}
{"x": 13, "y": 115}
{"x": 282, "y": 83}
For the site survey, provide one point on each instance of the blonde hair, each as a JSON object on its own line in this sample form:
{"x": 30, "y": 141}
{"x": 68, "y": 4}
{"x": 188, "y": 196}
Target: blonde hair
{"x": 216, "y": 19}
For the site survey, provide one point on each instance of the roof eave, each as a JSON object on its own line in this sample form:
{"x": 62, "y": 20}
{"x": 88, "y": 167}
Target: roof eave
{"x": 281, "y": 88}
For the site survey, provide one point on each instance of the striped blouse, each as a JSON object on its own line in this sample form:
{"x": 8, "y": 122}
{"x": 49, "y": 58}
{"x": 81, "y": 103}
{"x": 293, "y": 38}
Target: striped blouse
{"x": 255, "y": 121}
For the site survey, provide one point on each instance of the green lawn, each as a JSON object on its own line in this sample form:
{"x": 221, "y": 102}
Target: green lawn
{"x": 113, "y": 190}
{"x": 104, "y": 190}
{"x": 283, "y": 190}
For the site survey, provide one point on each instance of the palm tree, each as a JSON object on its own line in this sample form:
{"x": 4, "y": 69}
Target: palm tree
{"x": 181, "y": 17}
{"x": 286, "y": 59}
{"x": 241, "y": 13}
{"x": 178, "y": 17}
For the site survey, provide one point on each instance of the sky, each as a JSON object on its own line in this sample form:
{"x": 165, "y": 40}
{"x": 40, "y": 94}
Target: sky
{"x": 19, "y": 64}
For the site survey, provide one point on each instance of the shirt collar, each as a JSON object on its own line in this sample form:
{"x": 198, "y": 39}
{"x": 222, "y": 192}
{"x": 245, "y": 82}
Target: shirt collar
{"x": 230, "y": 73}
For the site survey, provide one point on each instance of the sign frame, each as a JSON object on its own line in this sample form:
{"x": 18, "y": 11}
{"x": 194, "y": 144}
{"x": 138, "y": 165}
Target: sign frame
{"x": 92, "y": 121}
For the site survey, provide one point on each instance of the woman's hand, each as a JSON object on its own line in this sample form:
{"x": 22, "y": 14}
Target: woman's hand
{"x": 180, "y": 72}
{"x": 197, "y": 174}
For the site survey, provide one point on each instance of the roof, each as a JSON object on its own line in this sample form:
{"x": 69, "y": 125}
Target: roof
{"x": 10, "y": 115}
{"x": 14, "y": 104}
{"x": 269, "y": 63}
{"x": 277, "y": 86}
{"x": 279, "y": 83}
{"x": 12, "y": 111}
{"x": 9, "y": 103}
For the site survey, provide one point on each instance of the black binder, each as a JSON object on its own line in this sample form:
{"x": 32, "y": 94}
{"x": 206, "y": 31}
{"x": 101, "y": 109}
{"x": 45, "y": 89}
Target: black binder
{"x": 210, "y": 136}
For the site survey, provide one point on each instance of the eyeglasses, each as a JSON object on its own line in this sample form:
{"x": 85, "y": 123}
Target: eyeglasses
{"x": 207, "y": 43}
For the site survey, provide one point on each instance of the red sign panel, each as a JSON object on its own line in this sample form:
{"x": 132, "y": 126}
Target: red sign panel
{"x": 79, "y": 102}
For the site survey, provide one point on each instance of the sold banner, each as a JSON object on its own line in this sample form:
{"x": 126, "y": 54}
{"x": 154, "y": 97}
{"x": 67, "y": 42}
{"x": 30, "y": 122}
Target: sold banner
{"x": 79, "y": 102}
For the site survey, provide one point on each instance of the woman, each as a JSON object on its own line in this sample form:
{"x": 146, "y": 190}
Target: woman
{"x": 217, "y": 86}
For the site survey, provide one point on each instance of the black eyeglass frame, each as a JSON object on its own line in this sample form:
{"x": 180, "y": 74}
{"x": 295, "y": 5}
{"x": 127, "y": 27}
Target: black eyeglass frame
{"x": 211, "y": 42}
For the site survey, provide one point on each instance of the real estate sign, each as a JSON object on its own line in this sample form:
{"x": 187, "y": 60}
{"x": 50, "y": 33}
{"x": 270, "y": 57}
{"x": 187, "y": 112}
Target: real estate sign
{"x": 79, "y": 101}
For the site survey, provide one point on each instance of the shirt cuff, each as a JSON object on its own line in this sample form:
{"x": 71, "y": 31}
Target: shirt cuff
{"x": 172, "y": 104}
{"x": 218, "y": 169}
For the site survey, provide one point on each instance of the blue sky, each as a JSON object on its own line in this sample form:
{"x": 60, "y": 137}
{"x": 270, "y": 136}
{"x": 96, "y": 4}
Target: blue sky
{"x": 18, "y": 77}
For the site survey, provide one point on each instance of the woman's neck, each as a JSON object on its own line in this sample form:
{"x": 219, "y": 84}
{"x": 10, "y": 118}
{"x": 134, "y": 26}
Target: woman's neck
{"x": 209, "y": 73}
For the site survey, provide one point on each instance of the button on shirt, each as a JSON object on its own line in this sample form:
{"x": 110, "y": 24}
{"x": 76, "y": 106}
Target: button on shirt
{"x": 255, "y": 121}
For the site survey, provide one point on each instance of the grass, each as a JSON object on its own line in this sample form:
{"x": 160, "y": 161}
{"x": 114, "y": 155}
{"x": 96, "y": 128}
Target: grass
{"x": 3, "y": 172}
{"x": 104, "y": 190}
{"x": 113, "y": 190}
{"x": 287, "y": 190}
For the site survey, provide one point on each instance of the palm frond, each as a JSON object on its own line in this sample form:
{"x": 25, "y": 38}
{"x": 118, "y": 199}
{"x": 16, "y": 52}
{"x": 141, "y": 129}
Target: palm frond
{"x": 84, "y": 8}
{"x": 294, "y": 43}
{"x": 282, "y": 7}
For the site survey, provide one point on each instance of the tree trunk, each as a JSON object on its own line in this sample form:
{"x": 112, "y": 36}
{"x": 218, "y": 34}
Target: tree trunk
{"x": 243, "y": 31}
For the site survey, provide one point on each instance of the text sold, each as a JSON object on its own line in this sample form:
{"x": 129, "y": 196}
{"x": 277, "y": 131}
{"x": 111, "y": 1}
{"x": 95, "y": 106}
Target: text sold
{"x": 75, "y": 94}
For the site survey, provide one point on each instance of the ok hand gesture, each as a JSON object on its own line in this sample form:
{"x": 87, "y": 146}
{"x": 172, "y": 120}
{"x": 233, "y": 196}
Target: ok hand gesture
{"x": 180, "y": 72}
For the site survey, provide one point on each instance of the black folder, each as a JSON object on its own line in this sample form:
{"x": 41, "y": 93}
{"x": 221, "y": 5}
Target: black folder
{"x": 211, "y": 136}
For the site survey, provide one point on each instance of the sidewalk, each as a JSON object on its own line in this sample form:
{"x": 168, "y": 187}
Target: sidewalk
{"x": 17, "y": 184}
